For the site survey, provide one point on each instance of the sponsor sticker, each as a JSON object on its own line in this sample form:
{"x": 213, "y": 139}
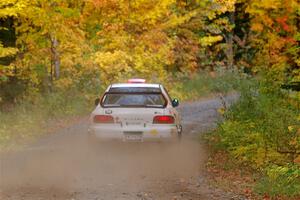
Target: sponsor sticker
{"x": 153, "y": 132}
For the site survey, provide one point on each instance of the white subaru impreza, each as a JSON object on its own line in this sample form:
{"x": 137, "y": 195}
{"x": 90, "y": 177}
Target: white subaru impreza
{"x": 135, "y": 111}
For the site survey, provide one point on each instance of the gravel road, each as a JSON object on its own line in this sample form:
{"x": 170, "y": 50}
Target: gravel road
{"x": 63, "y": 166}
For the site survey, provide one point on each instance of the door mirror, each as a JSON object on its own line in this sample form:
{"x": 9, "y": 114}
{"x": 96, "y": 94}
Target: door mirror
{"x": 97, "y": 101}
{"x": 175, "y": 102}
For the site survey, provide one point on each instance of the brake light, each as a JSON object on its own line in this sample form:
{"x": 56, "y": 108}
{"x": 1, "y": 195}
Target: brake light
{"x": 104, "y": 119}
{"x": 136, "y": 80}
{"x": 164, "y": 119}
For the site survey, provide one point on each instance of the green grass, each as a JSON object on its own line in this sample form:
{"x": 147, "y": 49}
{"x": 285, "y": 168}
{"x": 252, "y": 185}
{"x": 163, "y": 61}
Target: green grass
{"x": 30, "y": 119}
{"x": 204, "y": 83}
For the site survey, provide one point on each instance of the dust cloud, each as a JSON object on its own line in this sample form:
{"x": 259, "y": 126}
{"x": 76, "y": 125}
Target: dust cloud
{"x": 70, "y": 166}
{"x": 65, "y": 166}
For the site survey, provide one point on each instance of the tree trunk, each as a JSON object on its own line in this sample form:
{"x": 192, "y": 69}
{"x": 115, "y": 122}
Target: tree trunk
{"x": 229, "y": 51}
{"x": 55, "y": 57}
{"x": 229, "y": 42}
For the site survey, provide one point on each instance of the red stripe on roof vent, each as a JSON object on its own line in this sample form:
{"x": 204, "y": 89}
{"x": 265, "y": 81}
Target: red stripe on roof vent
{"x": 136, "y": 80}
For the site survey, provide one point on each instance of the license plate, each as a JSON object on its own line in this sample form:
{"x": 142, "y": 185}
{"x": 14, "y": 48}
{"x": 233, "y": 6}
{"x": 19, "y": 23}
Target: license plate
{"x": 133, "y": 123}
{"x": 133, "y": 137}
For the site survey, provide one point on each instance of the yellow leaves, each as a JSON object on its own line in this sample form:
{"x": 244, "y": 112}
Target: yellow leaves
{"x": 225, "y": 5}
{"x": 140, "y": 46}
{"x": 275, "y": 171}
{"x": 113, "y": 65}
{"x": 12, "y": 8}
{"x": 260, "y": 156}
{"x": 176, "y": 20}
{"x": 99, "y": 4}
{"x": 149, "y": 12}
{"x": 6, "y": 71}
{"x": 120, "y": 65}
{"x": 269, "y": 4}
{"x": 210, "y": 40}
{"x": 64, "y": 83}
{"x": 107, "y": 60}
{"x": 258, "y": 7}
{"x": 290, "y": 128}
{"x": 221, "y": 111}
{"x": 9, "y": 51}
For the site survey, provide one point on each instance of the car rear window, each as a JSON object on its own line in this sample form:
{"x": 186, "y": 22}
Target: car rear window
{"x": 155, "y": 100}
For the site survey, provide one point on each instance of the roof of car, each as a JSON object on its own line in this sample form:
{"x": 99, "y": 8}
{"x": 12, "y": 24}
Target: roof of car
{"x": 147, "y": 85}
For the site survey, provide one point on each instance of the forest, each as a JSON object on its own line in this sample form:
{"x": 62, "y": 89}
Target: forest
{"x": 57, "y": 56}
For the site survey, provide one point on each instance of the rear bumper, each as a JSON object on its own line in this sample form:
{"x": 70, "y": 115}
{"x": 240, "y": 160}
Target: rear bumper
{"x": 118, "y": 132}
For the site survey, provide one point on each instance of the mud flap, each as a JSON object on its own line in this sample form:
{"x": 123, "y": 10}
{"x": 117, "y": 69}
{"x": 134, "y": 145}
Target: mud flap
{"x": 179, "y": 131}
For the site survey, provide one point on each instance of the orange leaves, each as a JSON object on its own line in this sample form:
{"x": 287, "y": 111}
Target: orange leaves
{"x": 282, "y": 14}
{"x": 275, "y": 26}
{"x": 283, "y": 23}
{"x": 260, "y": 22}
{"x": 257, "y": 27}
{"x": 112, "y": 27}
{"x": 154, "y": 43}
{"x": 297, "y": 160}
{"x": 98, "y": 4}
{"x": 267, "y": 21}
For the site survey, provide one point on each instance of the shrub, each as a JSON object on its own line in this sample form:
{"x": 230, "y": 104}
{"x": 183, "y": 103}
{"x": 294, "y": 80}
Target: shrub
{"x": 262, "y": 130}
{"x": 280, "y": 180}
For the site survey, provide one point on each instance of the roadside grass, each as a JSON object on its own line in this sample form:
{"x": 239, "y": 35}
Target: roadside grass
{"x": 16, "y": 126}
{"x": 31, "y": 118}
{"x": 205, "y": 83}
{"x": 262, "y": 132}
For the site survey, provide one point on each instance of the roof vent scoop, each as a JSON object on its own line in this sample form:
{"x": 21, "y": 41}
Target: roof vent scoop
{"x": 136, "y": 80}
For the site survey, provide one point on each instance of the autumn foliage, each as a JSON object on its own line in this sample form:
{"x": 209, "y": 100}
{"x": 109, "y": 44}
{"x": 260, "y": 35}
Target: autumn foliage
{"x": 58, "y": 54}
{"x": 48, "y": 45}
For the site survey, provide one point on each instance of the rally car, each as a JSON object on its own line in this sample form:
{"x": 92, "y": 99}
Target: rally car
{"x": 135, "y": 111}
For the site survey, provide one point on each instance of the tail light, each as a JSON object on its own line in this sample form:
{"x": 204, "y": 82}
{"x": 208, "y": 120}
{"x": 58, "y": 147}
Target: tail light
{"x": 163, "y": 119}
{"x": 104, "y": 119}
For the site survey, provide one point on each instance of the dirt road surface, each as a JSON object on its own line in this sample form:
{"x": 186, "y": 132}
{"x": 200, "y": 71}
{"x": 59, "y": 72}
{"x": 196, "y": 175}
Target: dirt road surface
{"x": 64, "y": 166}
